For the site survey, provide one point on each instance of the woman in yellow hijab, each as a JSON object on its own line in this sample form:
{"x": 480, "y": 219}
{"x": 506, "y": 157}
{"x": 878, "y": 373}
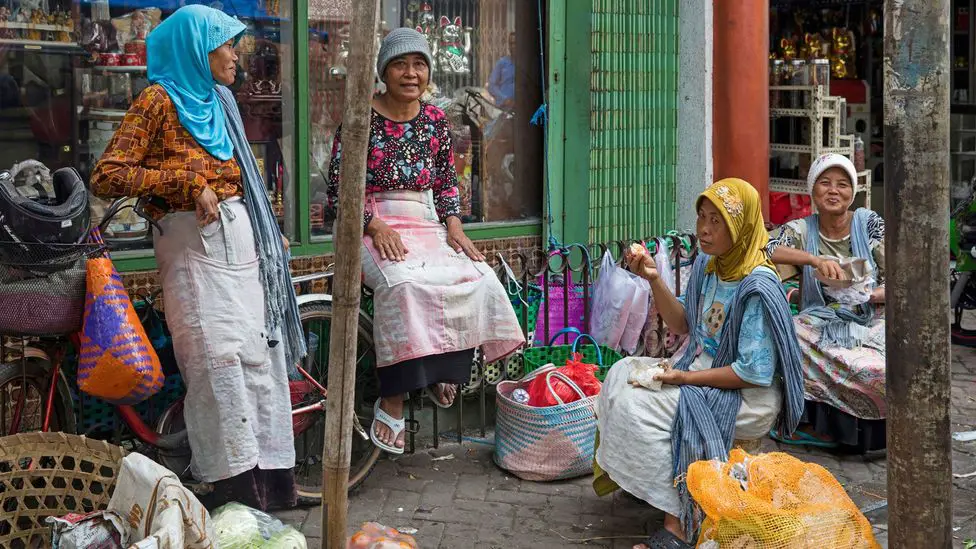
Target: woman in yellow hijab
{"x": 738, "y": 375}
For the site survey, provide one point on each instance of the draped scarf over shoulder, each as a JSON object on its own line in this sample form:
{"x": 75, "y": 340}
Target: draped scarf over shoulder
{"x": 704, "y": 426}
{"x": 178, "y": 60}
{"x": 838, "y": 324}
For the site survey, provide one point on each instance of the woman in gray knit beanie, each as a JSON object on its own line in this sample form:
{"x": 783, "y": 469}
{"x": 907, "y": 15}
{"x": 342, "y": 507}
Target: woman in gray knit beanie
{"x": 438, "y": 301}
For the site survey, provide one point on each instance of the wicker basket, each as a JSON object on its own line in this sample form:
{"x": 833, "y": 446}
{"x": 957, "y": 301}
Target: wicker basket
{"x": 51, "y": 474}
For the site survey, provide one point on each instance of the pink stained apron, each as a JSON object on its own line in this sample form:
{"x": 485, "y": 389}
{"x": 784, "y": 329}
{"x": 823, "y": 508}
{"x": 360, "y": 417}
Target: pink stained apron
{"x": 436, "y": 301}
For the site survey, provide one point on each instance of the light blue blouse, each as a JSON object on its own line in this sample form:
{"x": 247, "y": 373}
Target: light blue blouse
{"x": 756, "y": 357}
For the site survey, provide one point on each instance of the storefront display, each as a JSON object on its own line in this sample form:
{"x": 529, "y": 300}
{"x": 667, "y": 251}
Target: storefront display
{"x": 70, "y": 69}
{"x": 468, "y": 39}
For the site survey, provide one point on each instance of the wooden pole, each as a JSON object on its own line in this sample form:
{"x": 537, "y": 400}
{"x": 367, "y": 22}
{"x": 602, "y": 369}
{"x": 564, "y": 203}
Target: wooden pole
{"x": 916, "y": 129}
{"x": 345, "y": 299}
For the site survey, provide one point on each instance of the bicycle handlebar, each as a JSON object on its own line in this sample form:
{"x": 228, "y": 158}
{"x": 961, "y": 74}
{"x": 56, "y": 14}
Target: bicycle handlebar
{"x": 138, "y": 208}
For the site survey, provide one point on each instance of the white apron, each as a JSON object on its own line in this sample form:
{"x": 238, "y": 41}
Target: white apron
{"x": 438, "y": 300}
{"x": 237, "y": 408}
{"x": 635, "y": 430}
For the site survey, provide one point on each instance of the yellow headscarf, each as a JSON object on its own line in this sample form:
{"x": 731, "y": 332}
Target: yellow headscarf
{"x": 741, "y": 208}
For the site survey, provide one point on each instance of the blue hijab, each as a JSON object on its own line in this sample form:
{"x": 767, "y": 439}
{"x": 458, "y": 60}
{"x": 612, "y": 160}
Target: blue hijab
{"x": 178, "y": 61}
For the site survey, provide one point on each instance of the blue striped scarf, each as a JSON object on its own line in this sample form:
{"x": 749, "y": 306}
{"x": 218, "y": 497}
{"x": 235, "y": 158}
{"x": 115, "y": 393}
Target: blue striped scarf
{"x": 836, "y": 323}
{"x": 704, "y": 426}
{"x": 281, "y": 307}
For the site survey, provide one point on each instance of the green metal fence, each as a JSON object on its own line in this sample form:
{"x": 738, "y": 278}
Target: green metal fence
{"x": 633, "y": 118}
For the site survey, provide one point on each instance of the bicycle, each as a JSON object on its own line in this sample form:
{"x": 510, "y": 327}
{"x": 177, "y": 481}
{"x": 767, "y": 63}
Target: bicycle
{"x": 36, "y": 394}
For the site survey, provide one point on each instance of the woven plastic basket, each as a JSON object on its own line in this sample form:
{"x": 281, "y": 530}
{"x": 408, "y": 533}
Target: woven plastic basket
{"x": 537, "y": 357}
{"x": 49, "y": 475}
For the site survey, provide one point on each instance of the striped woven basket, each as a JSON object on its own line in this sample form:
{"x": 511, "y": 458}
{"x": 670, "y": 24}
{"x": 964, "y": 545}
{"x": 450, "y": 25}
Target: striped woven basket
{"x": 543, "y": 444}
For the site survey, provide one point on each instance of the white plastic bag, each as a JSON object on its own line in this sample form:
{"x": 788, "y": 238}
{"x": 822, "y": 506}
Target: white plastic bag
{"x": 613, "y": 298}
{"x": 655, "y": 333}
{"x": 637, "y": 316}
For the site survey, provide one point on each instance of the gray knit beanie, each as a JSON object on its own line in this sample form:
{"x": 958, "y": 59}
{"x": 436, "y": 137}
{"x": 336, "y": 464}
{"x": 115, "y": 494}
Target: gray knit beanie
{"x": 400, "y": 42}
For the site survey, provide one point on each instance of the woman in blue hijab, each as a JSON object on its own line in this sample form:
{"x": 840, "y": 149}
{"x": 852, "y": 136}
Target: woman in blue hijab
{"x": 182, "y": 146}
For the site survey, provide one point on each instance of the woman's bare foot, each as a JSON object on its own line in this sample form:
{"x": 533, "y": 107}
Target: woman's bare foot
{"x": 444, "y": 392}
{"x": 394, "y": 407}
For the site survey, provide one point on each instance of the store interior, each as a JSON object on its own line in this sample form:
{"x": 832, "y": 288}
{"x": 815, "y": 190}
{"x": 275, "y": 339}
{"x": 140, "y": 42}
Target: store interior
{"x": 837, "y": 45}
{"x": 69, "y": 69}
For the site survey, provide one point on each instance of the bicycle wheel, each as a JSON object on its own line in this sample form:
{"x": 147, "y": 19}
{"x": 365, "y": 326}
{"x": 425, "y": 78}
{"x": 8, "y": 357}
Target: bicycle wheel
{"x": 23, "y": 398}
{"x": 316, "y": 319}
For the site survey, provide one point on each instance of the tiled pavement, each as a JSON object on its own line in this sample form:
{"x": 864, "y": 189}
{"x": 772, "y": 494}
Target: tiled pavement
{"x": 466, "y": 501}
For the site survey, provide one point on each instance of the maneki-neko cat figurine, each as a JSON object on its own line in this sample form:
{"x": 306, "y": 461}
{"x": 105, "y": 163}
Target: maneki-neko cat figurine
{"x": 787, "y": 49}
{"x": 813, "y": 47}
{"x": 453, "y": 47}
{"x": 842, "y": 54}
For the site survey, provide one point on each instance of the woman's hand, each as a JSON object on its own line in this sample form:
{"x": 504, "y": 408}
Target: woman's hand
{"x": 460, "y": 242}
{"x": 829, "y": 269}
{"x": 386, "y": 241}
{"x": 671, "y": 377}
{"x": 877, "y": 296}
{"x": 207, "y": 207}
{"x": 286, "y": 243}
{"x": 642, "y": 265}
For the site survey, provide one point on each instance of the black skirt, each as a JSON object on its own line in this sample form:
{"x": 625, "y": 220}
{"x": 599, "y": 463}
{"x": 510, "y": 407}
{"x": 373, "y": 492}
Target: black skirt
{"x": 854, "y": 435}
{"x": 407, "y": 376}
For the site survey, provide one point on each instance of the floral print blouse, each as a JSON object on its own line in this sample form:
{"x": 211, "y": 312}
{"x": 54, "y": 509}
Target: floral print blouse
{"x": 756, "y": 357}
{"x": 414, "y": 156}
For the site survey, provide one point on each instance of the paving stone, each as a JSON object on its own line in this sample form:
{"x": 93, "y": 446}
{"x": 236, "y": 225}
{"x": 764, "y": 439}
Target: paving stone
{"x": 468, "y": 502}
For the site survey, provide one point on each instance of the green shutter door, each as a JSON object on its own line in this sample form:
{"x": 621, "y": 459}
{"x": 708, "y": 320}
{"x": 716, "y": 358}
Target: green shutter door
{"x": 633, "y": 118}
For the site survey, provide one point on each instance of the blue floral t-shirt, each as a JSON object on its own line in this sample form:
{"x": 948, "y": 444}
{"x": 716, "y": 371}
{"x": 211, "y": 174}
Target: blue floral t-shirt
{"x": 756, "y": 356}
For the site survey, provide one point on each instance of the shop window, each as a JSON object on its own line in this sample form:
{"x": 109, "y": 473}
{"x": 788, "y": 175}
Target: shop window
{"x": 483, "y": 63}
{"x": 69, "y": 69}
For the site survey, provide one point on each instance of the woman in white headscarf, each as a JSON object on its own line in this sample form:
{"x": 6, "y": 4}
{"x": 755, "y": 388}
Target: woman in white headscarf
{"x": 841, "y": 330}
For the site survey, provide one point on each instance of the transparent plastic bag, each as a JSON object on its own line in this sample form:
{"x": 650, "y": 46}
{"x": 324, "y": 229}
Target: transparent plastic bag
{"x": 241, "y": 527}
{"x": 613, "y": 299}
{"x": 373, "y": 535}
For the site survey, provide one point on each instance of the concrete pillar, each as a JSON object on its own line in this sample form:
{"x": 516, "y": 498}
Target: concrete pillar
{"x": 740, "y": 95}
{"x": 694, "y": 107}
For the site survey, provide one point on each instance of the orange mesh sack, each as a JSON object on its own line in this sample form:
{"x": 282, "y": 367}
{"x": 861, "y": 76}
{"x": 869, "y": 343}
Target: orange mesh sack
{"x": 775, "y": 501}
{"x": 116, "y": 362}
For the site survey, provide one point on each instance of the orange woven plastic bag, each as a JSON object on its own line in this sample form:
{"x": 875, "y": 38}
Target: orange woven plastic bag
{"x": 775, "y": 501}
{"x": 116, "y": 362}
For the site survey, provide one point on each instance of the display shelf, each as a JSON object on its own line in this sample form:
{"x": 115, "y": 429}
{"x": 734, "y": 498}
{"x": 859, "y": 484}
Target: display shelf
{"x": 40, "y": 44}
{"x": 822, "y": 135}
{"x": 122, "y": 69}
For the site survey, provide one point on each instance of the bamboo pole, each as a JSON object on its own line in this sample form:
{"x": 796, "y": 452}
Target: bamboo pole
{"x": 345, "y": 299}
{"x": 916, "y": 128}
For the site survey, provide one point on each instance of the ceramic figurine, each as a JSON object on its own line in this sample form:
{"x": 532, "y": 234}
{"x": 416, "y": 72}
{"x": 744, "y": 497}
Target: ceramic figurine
{"x": 842, "y": 54}
{"x": 787, "y": 49}
{"x": 453, "y": 47}
{"x": 6, "y": 33}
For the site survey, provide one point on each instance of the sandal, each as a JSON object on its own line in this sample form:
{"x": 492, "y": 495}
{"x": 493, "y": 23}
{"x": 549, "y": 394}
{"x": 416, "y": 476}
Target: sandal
{"x": 398, "y": 426}
{"x": 662, "y": 539}
{"x": 436, "y": 400}
{"x": 800, "y": 438}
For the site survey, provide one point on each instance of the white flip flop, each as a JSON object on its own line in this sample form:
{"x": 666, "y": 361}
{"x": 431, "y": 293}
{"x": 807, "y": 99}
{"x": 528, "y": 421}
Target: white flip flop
{"x": 398, "y": 426}
{"x": 437, "y": 401}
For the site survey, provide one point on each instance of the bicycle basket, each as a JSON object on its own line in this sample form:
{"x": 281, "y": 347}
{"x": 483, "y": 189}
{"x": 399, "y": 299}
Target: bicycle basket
{"x": 50, "y": 475}
{"x": 45, "y": 301}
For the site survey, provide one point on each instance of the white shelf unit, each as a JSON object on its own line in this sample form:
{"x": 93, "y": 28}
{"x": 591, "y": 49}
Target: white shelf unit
{"x": 820, "y": 107}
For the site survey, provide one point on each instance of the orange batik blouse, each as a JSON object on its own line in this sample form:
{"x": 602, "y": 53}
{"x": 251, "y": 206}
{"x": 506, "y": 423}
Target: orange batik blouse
{"x": 152, "y": 155}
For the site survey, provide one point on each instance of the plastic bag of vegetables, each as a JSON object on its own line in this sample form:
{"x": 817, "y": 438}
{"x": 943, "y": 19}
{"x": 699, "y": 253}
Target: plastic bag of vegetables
{"x": 373, "y": 535}
{"x": 241, "y": 527}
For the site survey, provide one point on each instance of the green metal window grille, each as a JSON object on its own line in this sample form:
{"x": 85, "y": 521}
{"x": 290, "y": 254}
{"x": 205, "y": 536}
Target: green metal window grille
{"x": 633, "y": 118}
